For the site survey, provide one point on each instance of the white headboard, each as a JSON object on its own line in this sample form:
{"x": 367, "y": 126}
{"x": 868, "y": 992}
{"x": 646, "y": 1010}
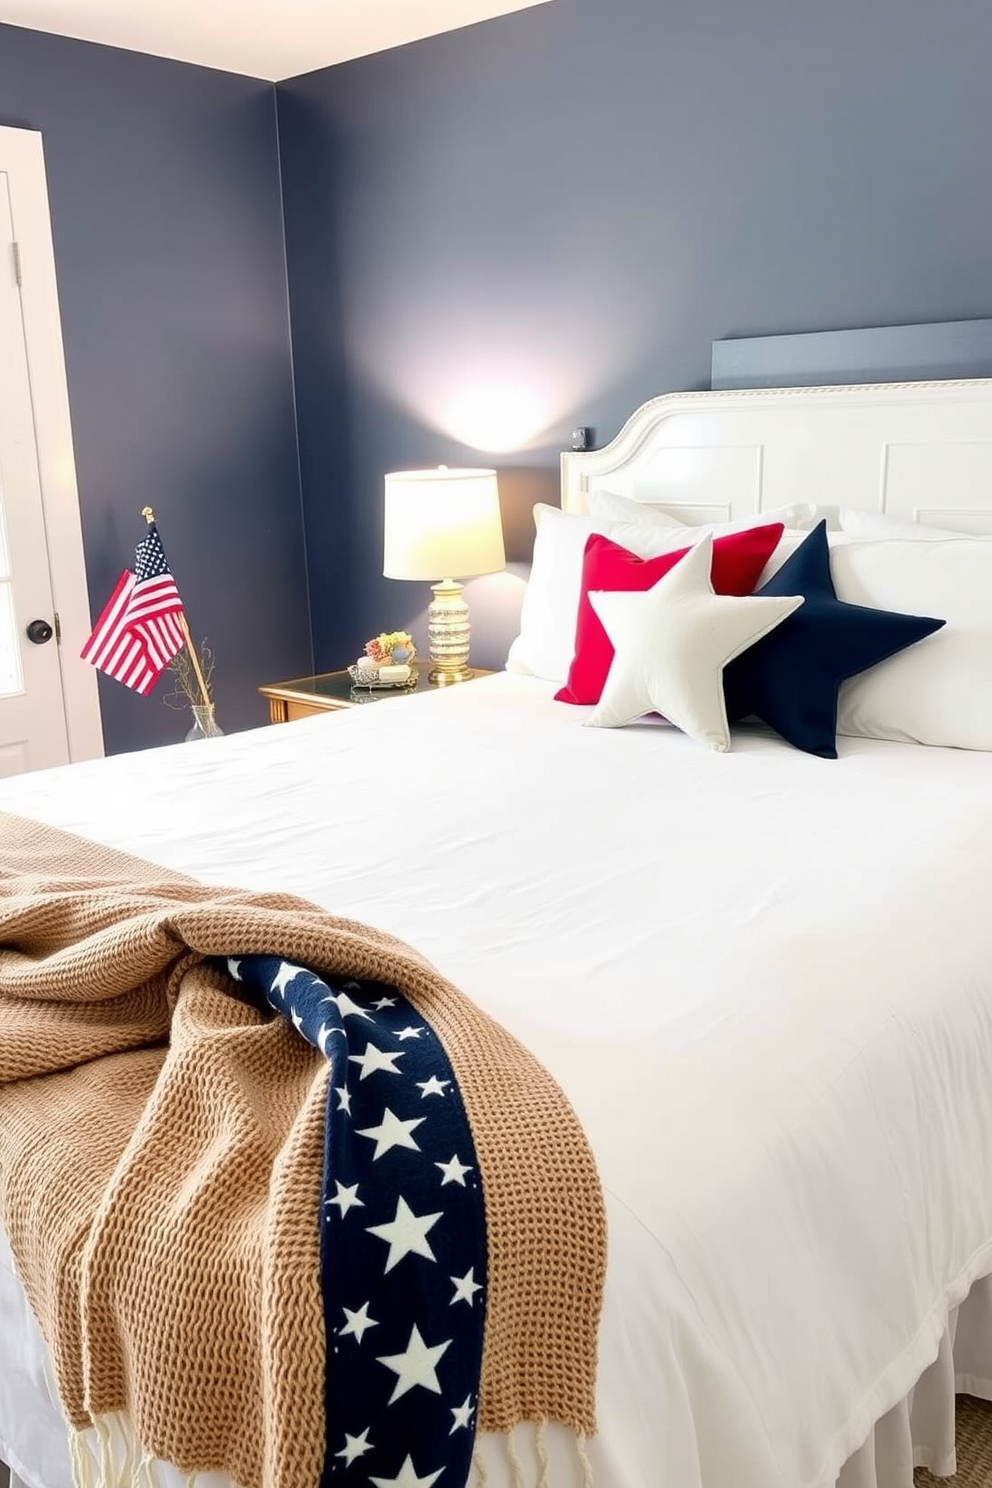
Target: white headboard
{"x": 921, "y": 451}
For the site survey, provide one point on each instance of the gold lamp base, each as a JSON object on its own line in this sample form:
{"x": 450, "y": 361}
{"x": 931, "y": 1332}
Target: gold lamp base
{"x": 448, "y": 634}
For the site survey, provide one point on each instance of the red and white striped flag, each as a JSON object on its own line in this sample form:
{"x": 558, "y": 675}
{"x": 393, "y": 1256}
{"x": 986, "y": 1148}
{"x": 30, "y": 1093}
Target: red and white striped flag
{"x": 139, "y": 631}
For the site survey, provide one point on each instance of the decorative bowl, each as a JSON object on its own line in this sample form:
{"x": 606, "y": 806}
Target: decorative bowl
{"x": 369, "y": 681}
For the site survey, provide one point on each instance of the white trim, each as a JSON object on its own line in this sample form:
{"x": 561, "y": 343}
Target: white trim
{"x": 749, "y": 450}
{"x": 23, "y": 161}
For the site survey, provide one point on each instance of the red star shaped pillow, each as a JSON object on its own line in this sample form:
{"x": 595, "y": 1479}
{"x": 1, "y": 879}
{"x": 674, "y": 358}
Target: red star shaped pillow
{"x": 737, "y": 563}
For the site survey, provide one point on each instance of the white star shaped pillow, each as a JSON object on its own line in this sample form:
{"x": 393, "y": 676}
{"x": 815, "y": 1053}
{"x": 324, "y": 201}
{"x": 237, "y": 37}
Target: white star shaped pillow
{"x": 672, "y": 643}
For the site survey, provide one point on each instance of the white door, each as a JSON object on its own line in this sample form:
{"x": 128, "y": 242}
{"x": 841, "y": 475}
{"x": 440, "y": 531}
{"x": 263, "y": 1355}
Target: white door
{"x": 49, "y": 713}
{"x": 32, "y": 715}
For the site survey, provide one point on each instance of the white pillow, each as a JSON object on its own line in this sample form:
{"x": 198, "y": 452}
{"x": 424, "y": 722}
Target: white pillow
{"x": 877, "y": 524}
{"x": 605, "y": 506}
{"x": 791, "y": 539}
{"x": 546, "y": 643}
{"x": 940, "y": 690}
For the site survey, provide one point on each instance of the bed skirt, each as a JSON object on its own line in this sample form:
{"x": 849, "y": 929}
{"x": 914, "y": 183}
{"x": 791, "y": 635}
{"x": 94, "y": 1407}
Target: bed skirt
{"x": 918, "y": 1432}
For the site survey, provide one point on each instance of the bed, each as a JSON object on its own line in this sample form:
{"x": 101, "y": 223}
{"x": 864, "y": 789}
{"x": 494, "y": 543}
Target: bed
{"x": 763, "y": 979}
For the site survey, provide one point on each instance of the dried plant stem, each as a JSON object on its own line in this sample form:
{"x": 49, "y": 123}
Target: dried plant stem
{"x": 187, "y": 690}
{"x": 195, "y": 660}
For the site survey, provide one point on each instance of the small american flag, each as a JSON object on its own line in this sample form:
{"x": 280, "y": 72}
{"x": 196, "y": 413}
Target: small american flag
{"x": 140, "y": 630}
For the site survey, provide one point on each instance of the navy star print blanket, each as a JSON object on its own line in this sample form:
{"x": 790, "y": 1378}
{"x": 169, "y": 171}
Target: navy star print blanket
{"x": 403, "y": 1243}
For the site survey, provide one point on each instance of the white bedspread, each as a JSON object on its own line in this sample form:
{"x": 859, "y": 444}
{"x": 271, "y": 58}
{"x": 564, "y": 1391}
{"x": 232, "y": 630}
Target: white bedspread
{"x": 764, "y": 980}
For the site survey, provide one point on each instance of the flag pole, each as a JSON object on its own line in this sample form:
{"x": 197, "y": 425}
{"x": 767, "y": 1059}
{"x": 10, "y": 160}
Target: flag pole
{"x": 149, "y": 516}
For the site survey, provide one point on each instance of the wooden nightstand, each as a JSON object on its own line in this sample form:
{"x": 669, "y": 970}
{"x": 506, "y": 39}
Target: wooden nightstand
{"x": 332, "y": 690}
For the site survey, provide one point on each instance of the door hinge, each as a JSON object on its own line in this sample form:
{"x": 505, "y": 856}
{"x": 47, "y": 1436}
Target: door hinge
{"x": 16, "y": 248}
{"x": 58, "y": 630}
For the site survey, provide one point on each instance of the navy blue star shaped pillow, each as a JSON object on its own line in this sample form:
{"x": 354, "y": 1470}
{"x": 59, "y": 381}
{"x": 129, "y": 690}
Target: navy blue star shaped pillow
{"x": 791, "y": 679}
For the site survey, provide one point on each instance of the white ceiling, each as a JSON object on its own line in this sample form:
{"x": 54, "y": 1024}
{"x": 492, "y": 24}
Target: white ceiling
{"x": 270, "y": 39}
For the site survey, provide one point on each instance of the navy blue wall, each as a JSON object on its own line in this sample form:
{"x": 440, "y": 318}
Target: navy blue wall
{"x": 164, "y": 188}
{"x": 539, "y": 222}
{"x": 493, "y": 236}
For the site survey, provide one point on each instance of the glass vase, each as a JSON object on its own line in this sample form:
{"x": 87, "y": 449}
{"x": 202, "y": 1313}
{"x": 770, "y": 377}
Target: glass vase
{"x": 204, "y": 723}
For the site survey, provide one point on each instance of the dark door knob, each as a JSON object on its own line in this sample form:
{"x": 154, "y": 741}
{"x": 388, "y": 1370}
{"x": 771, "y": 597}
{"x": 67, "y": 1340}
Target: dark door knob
{"x": 40, "y": 631}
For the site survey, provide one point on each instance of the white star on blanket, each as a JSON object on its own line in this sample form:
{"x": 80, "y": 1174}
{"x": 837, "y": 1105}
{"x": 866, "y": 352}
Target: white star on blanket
{"x": 355, "y": 1446}
{"x": 375, "y": 1059}
{"x": 454, "y": 1171}
{"x": 462, "y": 1414}
{"x": 347, "y": 1008}
{"x": 358, "y": 1322}
{"x": 345, "y": 1198}
{"x": 408, "y": 1478}
{"x": 433, "y": 1086}
{"x": 406, "y": 1234}
{"x": 288, "y": 973}
{"x": 415, "y": 1366}
{"x": 465, "y": 1287}
{"x": 392, "y": 1132}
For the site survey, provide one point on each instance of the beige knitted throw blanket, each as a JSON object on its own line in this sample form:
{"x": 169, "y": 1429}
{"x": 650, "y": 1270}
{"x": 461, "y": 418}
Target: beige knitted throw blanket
{"x": 161, "y": 1158}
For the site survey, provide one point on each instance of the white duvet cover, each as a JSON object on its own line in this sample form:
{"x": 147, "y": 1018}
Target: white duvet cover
{"x": 763, "y": 979}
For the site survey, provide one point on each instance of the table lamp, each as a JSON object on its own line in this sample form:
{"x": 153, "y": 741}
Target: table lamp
{"x": 438, "y": 523}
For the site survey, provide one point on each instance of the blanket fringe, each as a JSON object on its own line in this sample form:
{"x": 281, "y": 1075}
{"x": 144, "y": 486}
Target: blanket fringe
{"x": 515, "y": 1463}
{"x": 522, "y": 1478}
{"x": 104, "y": 1451}
{"x": 586, "y": 1465}
{"x": 544, "y": 1478}
{"x": 84, "y": 1473}
{"x": 109, "y": 1455}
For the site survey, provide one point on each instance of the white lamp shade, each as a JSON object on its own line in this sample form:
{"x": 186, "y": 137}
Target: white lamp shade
{"x": 442, "y": 524}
